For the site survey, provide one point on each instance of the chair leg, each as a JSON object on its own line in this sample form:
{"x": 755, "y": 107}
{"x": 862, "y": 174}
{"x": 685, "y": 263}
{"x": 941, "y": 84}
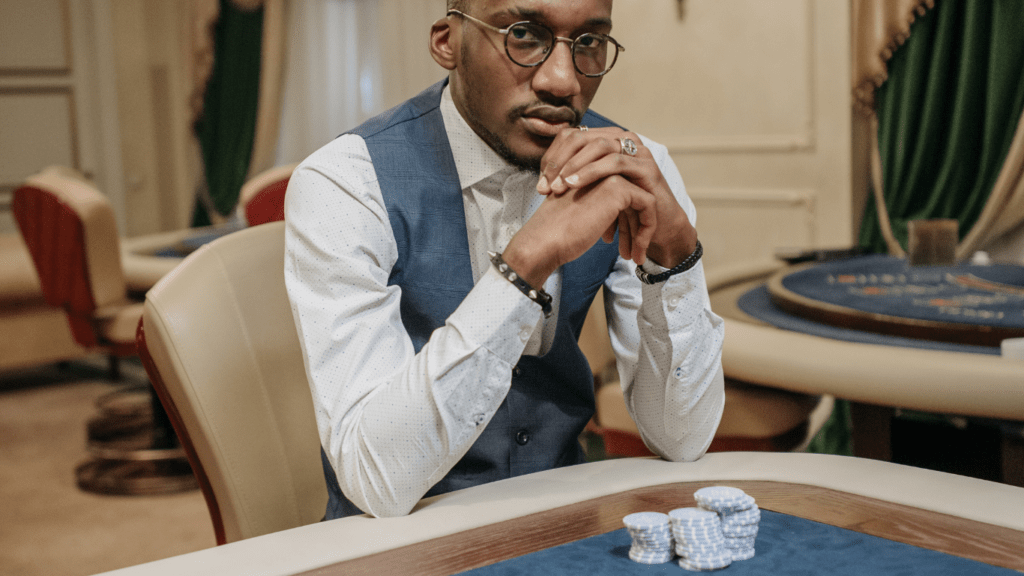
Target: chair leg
{"x": 114, "y": 364}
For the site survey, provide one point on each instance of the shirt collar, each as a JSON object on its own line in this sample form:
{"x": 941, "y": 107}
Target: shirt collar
{"x": 475, "y": 160}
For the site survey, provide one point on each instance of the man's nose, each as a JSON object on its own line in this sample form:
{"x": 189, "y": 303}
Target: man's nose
{"x": 557, "y": 75}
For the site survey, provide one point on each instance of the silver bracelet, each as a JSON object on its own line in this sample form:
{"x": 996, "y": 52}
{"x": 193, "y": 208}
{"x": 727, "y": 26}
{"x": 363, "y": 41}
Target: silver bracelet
{"x": 539, "y": 296}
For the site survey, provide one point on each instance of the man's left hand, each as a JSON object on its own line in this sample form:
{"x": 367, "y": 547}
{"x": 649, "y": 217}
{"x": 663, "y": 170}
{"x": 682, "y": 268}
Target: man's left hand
{"x": 577, "y": 159}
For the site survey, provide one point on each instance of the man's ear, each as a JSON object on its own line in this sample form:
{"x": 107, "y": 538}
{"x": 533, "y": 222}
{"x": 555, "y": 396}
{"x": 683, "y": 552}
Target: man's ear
{"x": 443, "y": 44}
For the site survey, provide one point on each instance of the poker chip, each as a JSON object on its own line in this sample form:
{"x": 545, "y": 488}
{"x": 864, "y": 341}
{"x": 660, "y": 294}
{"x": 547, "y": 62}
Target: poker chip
{"x": 697, "y": 564}
{"x": 750, "y": 516}
{"x": 722, "y": 529}
{"x": 652, "y": 537}
{"x": 739, "y": 555}
{"x": 723, "y": 499}
{"x": 741, "y": 531}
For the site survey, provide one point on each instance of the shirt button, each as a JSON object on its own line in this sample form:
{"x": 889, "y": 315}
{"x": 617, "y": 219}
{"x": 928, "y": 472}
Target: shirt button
{"x": 517, "y": 371}
{"x": 678, "y": 372}
{"x": 524, "y": 335}
{"x": 673, "y": 302}
{"x": 478, "y": 419}
{"x": 522, "y": 437}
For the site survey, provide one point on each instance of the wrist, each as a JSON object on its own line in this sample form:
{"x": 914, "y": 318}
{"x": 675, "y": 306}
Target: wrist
{"x": 529, "y": 264}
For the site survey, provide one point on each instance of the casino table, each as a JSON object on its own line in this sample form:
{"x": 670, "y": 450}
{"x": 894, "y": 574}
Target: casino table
{"x": 877, "y": 373}
{"x": 821, "y": 514}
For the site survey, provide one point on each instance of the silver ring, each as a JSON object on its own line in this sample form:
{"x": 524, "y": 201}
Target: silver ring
{"x": 583, "y": 128}
{"x": 628, "y": 147}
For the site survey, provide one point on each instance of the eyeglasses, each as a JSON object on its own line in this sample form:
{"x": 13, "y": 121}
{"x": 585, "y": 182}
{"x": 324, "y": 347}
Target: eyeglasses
{"x": 529, "y": 44}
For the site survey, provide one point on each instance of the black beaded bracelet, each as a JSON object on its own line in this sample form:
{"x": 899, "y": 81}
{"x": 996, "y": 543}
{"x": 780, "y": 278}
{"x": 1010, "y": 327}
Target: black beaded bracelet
{"x": 539, "y": 296}
{"x": 683, "y": 266}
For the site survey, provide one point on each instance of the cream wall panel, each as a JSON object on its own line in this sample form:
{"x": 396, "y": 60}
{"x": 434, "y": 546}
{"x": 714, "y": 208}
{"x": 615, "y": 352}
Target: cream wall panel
{"x": 732, "y": 75}
{"x": 748, "y": 95}
{"x": 35, "y": 36}
{"x": 742, "y": 224}
{"x": 38, "y": 130}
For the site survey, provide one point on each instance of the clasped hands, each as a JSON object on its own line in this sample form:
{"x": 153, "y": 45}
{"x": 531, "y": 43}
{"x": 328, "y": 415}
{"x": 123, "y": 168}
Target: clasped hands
{"x": 592, "y": 190}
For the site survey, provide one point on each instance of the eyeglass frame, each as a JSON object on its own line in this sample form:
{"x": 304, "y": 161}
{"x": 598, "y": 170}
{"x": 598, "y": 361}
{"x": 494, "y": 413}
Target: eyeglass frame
{"x": 555, "y": 39}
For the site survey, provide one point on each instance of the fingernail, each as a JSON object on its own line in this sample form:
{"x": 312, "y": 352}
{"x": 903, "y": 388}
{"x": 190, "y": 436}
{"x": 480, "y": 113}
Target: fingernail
{"x": 558, "y": 185}
{"x": 542, "y": 184}
{"x": 573, "y": 180}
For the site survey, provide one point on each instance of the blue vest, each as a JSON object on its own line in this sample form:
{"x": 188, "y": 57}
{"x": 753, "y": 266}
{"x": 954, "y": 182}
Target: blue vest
{"x": 552, "y": 396}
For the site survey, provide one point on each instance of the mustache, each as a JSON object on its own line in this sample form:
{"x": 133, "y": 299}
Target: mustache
{"x": 547, "y": 112}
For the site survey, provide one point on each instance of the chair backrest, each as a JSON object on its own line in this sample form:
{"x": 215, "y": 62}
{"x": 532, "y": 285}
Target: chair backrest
{"x": 71, "y": 233}
{"x": 220, "y": 346}
{"x": 261, "y": 198}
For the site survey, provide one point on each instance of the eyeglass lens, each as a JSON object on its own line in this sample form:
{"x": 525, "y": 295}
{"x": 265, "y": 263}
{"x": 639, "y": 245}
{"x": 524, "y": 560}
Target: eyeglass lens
{"x": 529, "y": 44}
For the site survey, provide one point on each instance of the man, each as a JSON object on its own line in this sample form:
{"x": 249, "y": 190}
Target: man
{"x": 441, "y": 258}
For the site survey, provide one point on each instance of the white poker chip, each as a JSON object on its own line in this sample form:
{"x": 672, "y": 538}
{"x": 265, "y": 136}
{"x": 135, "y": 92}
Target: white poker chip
{"x": 742, "y": 531}
{"x": 749, "y": 516}
{"x": 692, "y": 515}
{"x": 741, "y": 554}
{"x": 691, "y": 564}
{"x": 643, "y": 520}
{"x": 723, "y": 499}
{"x": 746, "y": 542}
{"x": 651, "y": 557}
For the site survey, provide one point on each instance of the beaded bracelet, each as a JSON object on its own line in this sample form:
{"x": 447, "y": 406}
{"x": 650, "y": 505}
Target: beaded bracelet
{"x": 539, "y": 296}
{"x": 683, "y": 266}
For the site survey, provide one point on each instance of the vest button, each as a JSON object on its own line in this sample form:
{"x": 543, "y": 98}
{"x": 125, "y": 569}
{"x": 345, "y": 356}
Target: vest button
{"x": 517, "y": 371}
{"x": 522, "y": 437}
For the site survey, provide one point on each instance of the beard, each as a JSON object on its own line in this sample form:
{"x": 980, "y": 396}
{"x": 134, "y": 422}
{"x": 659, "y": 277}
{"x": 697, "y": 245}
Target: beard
{"x": 499, "y": 142}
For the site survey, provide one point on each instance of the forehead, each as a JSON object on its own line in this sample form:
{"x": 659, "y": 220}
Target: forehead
{"x": 570, "y": 13}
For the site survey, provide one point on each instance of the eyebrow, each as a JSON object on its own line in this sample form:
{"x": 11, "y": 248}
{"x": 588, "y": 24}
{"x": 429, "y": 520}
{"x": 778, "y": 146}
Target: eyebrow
{"x": 532, "y": 14}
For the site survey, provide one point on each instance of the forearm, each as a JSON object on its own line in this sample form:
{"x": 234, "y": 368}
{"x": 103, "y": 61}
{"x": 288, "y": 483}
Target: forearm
{"x": 675, "y": 388}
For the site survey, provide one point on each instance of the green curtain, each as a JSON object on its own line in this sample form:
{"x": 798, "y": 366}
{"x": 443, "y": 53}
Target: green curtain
{"x": 227, "y": 127}
{"x": 947, "y": 114}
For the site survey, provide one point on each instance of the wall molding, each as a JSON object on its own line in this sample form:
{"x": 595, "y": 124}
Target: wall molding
{"x": 778, "y": 197}
{"x": 801, "y": 141}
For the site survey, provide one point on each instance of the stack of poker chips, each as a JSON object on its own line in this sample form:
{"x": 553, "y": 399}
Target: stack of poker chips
{"x": 739, "y": 516}
{"x": 700, "y": 542}
{"x": 652, "y": 537}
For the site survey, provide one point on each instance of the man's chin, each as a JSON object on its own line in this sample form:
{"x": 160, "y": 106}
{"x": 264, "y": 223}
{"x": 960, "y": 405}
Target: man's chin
{"x": 524, "y": 159}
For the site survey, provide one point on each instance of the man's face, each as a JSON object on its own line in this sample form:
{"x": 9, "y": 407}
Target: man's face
{"x": 518, "y": 111}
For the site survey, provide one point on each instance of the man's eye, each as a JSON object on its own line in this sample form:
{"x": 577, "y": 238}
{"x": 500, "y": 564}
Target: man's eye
{"x": 589, "y": 41}
{"x": 525, "y": 34}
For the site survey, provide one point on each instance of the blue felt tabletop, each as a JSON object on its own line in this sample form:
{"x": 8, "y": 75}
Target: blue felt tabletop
{"x": 785, "y": 545}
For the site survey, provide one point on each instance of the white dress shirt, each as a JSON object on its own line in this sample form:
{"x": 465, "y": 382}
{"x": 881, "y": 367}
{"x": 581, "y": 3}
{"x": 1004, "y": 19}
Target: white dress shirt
{"x": 393, "y": 422}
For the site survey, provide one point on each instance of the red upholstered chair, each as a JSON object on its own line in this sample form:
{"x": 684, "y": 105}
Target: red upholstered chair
{"x": 70, "y": 231}
{"x": 261, "y": 199}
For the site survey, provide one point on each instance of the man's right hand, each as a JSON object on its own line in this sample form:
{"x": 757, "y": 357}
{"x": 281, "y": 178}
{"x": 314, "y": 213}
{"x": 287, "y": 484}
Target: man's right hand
{"x": 567, "y": 225}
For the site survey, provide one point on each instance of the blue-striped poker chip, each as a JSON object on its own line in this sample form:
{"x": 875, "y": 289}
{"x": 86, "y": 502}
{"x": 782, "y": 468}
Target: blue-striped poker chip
{"x": 705, "y": 541}
{"x": 741, "y": 554}
{"x": 645, "y": 520}
{"x": 693, "y": 564}
{"x": 688, "y": 551}
{"x": 742, "y": 531}
{"x": 692, "y": 515}
{"x": 740, "y": 542}
{"x": 723, "y": 499}
{"x": 651, "y": 557}
{"x": 749, "y": 516}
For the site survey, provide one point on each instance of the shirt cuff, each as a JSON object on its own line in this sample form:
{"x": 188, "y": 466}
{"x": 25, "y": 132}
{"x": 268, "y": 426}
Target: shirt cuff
{"x": 678, "y": 301}
{"x": 497, "y": 316}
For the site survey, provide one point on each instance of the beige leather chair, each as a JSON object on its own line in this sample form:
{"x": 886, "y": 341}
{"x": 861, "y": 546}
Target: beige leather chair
{"x": 219, "y": 343}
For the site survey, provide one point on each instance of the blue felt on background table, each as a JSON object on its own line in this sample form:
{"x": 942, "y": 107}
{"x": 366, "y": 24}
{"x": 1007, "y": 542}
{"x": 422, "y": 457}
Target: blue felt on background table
{"x": 757, "y": 303}
{"x": 785, "y": 545}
